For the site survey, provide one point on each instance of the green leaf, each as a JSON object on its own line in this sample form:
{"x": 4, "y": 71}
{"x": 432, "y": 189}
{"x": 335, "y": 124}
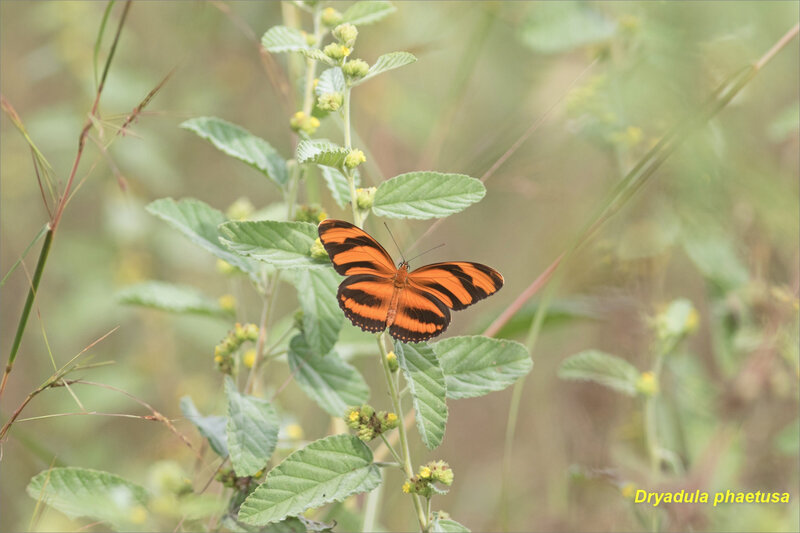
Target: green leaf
{"x": 284, "y": 39}
{"x": 331, "y": 81}
{"x": 714, "y": 255}
{"x": 252, "y": 430}
{"x": 80, "y": 492}
{"x": 241, "y": 144}
{"x": 387, "y": 62}
{"x": 425, "y": 195}
{"x": 562, "y": 26}
{"x": 171, "y": 297}
{"x": 321, "y": 152}
{"x": 211, "y": 427}
{"x": 198, "y": 222}
{"x": 428, "y": 389}
{"x": 281, "y": 244}
{"x": 446, "y": 525}
{"x": 476, "y": 365}
{"x": 327, "y": 470}
{"x": 318, "y": 55}
{"x": 322, "y": 318}
{"x": 325, "y": 378}
{"x": 338, "y": 185}
{"x": 605, "y": 369}
{"x": 367, "y": 12}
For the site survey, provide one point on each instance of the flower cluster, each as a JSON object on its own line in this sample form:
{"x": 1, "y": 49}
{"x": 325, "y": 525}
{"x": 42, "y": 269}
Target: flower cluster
{"x": 310, "y": 213}
{"x": 302, "y": 123}
{"x": 223, "y": 352}
{"x": 229, "y": 479}
{"x": 423, "y": 482}
{"x": 368, "y": 423}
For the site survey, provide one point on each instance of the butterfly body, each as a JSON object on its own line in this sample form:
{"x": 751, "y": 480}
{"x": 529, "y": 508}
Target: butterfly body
{"x": 414, "y": 305}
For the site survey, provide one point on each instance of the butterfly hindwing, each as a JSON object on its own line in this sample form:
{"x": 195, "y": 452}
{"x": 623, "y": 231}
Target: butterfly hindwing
{"x": 365, "y": 300}
{"x": 420, "y": 315}
{"x": 353, "y": 251}
{"x": 457, "y": 284}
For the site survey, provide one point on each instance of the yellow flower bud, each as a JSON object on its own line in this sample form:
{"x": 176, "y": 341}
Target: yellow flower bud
{"x": 249, "y": 358}
{"x": 407, "y": 487}
{"x": 647, "y": 385}
{"x": 425, "y": 472}
{"x": 227, "y": 302}
{"x": 354, "y": 158}
{"x": 318, "y": 251}
{"x": 330, "y": 101}
{"x": 355, "y": 69}
{"x": 346, "y": 34}
{"x": 330, "y": 17}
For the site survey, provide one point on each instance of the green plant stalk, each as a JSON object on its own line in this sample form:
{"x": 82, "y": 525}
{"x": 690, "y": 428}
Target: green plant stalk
{"x": 311, "y": 65}
{"x": 372, "y": 505}
{"x": 404, "y": 449}
{"x": 633, "y": 181}
{"x": 26, "y": 311}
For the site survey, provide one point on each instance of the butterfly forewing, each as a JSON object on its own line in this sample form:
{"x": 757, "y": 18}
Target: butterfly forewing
{"x": 457, "y": 284}
{"x": 353, "y": 251}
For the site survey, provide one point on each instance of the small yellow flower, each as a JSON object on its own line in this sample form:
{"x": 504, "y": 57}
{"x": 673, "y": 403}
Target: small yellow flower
{"x": 391, "y": 417}
{"x": 138, "y": 515}
{"x": 227, "y": 302}
{"x": 218, "y": 358}
{"x": 223, "y": 267}
{"x": 249, "y": 358}
{"x": 353, "y": 416}
{"x": 316, "y": 82}
{"x": 628, "y": 490}
{"x": 354, "y": 158}
{"x": 425, "y": 472}
{"x": 407, "y": 487}
{"x": 647, "y": 384}
{"x": 294, "y": 431}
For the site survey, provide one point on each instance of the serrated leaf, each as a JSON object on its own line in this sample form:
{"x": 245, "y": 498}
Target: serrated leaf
{"x": 81, "y": 492}
{"x": 446, "y": 525}
{"x": 199, "y": 221}
{"x": 562, "y": 26}
{"x": 425, "y": 195}
{"x": 330, "y": 81}
{"x": 325, "y": 378}
{"x": 322, "y": 318}
{"x": 281, "y": 244}
{"x": 211, "y": 427}
{"x": 252, "y": 430}
{"x": 171, "y": 297}
{"x": 387, "y": 62}
{"x": 428, "y": 390}
{"x": 715, "y": 256}
{"x": 367, "y": 12}
{"x": 284, "y": 39}
{"x": 321, "y": 152}
{"x": 326, "y": 470}
{"x": 317, "y": 55}
{"x": 241, "y": 144}
{"x": 599, "y": 367}
{"x": 476, "y": 365}
{"x": 338, "y": 185}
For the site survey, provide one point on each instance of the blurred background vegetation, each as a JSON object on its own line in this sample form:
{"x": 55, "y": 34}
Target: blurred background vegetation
{"x": 718, "y": 226}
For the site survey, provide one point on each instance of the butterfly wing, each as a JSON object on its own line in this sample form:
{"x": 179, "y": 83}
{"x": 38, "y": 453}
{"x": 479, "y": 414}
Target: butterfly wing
{"x": 365, "y": 298}
{"x": 420, "y": 315}
{"x": 457, "y": 284}
{"x": 353, "y": 251}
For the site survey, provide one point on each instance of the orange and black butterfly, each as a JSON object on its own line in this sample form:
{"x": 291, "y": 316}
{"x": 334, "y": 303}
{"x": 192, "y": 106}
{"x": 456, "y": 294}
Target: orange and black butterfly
{"x": 415, "y": 305}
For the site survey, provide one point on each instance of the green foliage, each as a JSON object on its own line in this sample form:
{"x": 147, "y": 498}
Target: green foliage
{"x": 281, "y": 244}
{"x": 330, "y": 81}
{"x": 199, "y": 222}
{"x": 425, "y": 195}
{"x": 327, "y": 470}
{"x": 211, "y": 427}
{"x": 367, "y": 12}
{"x": 426, "y": 383}
{"x": 599, "y": 367}
{"x": 447, "y": 525}
{"x": 385, "y": 63}
{"x": 337, "y": 184}
{"x": 554, "y": 27}
{"x": 322, "y": 318}
{"x": 325, "y": 378}
{"x": 714, "y": 255}
{"x": 321, "y": 152}
{"x": 474, "y": 366}
{"x": 284, "y": 39}
{"x": 252, "y": 430}
{"x": 101, "y": 496}
{"x": 171, "y": 297}
{"x": 239, "y": 143}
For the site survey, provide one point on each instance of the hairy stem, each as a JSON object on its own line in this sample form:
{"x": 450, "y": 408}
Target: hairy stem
{"x": 404, "y": 449}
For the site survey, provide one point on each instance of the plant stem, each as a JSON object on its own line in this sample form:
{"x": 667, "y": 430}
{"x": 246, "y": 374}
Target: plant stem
{"x": 398, "y": 408}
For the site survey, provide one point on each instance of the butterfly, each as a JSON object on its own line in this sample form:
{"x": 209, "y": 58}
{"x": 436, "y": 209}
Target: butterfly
{"x": 415, "y": 305}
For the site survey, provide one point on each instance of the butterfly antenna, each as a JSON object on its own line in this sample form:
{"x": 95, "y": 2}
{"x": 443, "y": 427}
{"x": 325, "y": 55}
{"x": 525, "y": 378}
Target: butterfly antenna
{"x": 426, "y": 251}
{"x": 395, "y": 242}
